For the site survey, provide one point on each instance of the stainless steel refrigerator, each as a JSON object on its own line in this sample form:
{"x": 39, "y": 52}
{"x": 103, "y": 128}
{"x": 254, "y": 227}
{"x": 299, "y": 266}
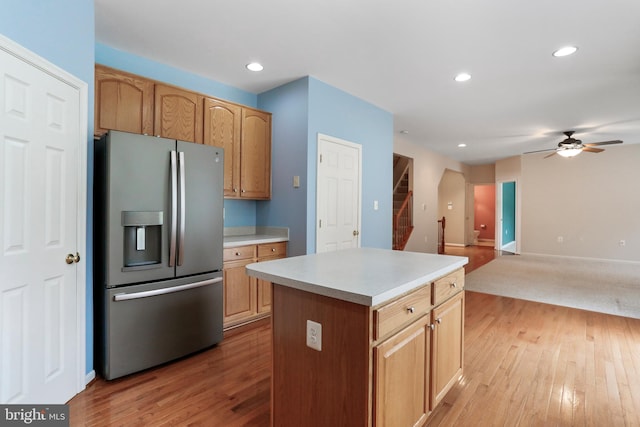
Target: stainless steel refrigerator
{"x": 158, "y": 237}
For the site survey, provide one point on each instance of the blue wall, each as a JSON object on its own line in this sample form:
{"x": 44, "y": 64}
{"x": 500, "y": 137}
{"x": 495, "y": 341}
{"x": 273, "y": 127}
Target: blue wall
{"x": 336, "y": 113}
{"x": 508, "y": 212}
{"x": 287, "y": 208}
{"x": 62, "y": 32}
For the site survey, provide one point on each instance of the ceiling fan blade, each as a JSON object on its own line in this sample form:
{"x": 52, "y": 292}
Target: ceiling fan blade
{"x": 540, "y": 151}
{"x": 552, "y": 154}
{"x": 615, "y": 141}
{"x": 593, "y": 150}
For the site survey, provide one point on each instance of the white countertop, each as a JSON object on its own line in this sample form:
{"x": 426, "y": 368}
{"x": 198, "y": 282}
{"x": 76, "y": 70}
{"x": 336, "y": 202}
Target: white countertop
{"x": 251, "y": 239}
{"x": 364, "y": 276}
{"x": 241, "y": 236}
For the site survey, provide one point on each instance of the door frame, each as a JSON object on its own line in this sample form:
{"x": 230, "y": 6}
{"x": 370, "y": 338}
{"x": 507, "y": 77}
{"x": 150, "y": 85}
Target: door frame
{"x": 358, "y": 148}
{"x": 36, "y": 61}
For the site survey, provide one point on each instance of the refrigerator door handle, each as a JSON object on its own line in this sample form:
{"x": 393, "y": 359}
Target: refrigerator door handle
{"x": 174, "y": 209}
{"x": 182, "y": 209}
{"x": 163, "y": 291}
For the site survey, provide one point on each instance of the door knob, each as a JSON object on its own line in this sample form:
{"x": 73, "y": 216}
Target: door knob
{"x": 356, "y": 232}
{"x": 71, "y": 258}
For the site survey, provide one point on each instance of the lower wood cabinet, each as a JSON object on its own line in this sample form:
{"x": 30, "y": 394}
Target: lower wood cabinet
{"x": 387, "y": 365}
{"x": 416, "y": 364}
{"x": 402, "y": 365}
{"x": 448, "y": 346}
{"x": 246, "y": 298}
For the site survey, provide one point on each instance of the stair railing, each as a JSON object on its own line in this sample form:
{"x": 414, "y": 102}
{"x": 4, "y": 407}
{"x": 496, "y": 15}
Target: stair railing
{"x": 403, "y": 223}
{"x": 441, "y": 225}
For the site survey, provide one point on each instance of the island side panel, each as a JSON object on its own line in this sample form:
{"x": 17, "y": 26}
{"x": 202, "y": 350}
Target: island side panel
{"x": 319, "y": 388}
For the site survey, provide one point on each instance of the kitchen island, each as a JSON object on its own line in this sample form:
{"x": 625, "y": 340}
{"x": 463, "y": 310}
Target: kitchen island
{"x": 363, "y": 336}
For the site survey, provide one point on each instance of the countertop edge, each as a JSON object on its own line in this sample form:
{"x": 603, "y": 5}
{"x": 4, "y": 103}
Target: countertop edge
{"x": 367, "y": 300}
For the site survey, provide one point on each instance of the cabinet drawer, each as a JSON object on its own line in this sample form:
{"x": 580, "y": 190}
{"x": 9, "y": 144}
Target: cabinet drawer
{"x": 272, "y": 249}
{"x": 448, "y": 286}
{"x": 402, "y": 311}
{"x": 239, "y": 252}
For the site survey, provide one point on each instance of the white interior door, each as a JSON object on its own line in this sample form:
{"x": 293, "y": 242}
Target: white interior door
{"x": 41, "y": 172}
{"x": 338, "y": 195}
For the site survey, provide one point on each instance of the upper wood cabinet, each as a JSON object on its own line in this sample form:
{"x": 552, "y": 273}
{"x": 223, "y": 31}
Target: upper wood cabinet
{"x": 255, "y": 155}
{"x": 178, "y": 114}
{"x": 134, "y": 104}
{"x": 245, "y": 135}
{"x": 222, "y": 123}
{"x": 123, "y": 102}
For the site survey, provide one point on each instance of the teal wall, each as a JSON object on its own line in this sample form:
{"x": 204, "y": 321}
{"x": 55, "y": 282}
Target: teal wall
{"x": 508, "y": 212}
{"x": 63, "y": 33}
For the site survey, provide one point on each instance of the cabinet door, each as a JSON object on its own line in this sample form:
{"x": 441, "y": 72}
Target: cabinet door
{"x": 122, "y": 102}
{"x": 222, "y": 123}
{"x": 402, "y": 377}
{"x": 448, "y": 346}
{"x": 255, "y": 161}
{"x": 264, "y": 296}
{"x": 240, "y": 293}
{"x": 178, "y": 114}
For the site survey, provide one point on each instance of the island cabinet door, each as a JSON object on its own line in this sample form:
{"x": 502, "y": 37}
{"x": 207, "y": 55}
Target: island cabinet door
{"x": 401, "y": 396}
{"x": 448, "y": 346}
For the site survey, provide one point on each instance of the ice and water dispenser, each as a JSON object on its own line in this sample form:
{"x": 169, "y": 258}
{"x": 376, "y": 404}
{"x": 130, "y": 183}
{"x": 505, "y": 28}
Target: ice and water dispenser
{"x": 142, "y": 240}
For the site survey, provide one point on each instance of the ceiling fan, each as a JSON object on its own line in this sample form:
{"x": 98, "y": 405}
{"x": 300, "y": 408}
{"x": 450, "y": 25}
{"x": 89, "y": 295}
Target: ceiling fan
{"x": 571, "y": 147}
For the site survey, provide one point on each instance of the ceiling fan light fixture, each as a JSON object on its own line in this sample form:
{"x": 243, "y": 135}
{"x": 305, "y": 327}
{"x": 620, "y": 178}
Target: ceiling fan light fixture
{"x": 569, "y": 152}
{"x": 565, "y": 51}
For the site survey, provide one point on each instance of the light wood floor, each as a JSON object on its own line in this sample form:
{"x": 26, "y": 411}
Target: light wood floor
{"x": 526, "y": 364}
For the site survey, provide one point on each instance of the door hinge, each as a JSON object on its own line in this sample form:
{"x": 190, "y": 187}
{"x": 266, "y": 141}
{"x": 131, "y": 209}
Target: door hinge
{"x": 320, "y": 224}
{"x": 320, "y": 157}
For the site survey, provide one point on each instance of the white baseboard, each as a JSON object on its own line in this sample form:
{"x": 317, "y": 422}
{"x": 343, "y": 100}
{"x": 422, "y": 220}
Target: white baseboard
{"x": 613, "y": 261}
{"x": 460, "y": 245}
{"x": 89, "y": 377}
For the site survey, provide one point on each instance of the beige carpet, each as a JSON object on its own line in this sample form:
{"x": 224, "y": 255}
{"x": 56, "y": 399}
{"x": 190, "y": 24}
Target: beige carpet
{"x": 606, "y": 287}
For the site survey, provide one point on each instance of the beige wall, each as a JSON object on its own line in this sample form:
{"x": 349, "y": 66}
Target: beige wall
{"x": 451, "y": 205}
{"x": 482, "y": 174}
{"x": 592, "y": 201}
{"x": 428, "y": 168}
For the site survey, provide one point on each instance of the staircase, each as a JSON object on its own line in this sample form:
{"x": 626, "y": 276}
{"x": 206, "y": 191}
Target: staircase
{"x": 402, "y": 204}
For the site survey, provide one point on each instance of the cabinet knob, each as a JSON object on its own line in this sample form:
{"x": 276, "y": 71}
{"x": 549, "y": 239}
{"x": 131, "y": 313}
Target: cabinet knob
{"x": 410, "y": 309}
{"x": 237, "y": 253}
{"x": 432, "y": 326}
{"x": 242, "y": 191}
{"x": 453, "y": 284}
{"x": 235, "y": 190}
{"x": 438, "y": 320}
{"x": 273, "y": 249}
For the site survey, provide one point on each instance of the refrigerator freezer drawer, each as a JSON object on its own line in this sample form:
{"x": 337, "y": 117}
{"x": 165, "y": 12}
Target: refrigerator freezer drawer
{"x": 151, "y": 324}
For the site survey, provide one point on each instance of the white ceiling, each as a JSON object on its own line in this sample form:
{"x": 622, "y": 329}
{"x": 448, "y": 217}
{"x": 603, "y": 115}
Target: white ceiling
{"x": 402, "y": 56}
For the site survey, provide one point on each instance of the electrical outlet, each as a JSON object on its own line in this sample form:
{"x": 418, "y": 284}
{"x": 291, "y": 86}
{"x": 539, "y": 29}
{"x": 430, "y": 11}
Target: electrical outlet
{"x": 314, "y": 335}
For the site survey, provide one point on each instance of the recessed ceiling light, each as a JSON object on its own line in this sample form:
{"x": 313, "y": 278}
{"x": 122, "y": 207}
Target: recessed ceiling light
{"x": 462, "y": 77}
{"x": 462, "y": 145}
{"x": 565, "y": 51}
{"x": 255, "y": 66}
